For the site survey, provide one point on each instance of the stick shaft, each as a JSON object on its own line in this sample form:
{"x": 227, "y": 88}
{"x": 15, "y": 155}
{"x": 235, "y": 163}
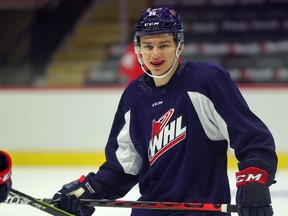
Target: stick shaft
{"x": 180, "y": 206}
{"x": 18, "y": 197}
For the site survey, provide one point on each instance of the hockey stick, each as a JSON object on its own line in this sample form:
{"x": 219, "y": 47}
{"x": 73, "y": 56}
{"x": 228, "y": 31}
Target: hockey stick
{"x": 180, "y": 206}
{"x": 18, "y": 197}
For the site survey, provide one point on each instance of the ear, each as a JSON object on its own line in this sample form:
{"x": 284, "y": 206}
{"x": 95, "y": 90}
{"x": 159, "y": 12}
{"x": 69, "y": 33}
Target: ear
{"x": 179, "y": 51}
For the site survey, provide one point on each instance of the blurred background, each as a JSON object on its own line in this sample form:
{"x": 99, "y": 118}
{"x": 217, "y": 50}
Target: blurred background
{"x": 72, "y": 43}
{"x": 65, "y": 63}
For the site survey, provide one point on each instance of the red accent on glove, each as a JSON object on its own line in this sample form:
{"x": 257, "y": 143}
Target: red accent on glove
{"x": 82, "y": 179}
{"x": 251, "y": 175}
{"x": 5, "y": 174}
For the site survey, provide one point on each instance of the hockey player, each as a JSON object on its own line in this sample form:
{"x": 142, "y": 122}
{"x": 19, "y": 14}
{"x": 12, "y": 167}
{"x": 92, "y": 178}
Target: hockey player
{"x": 171, "y": 132}
{"x": 5, "y": 175}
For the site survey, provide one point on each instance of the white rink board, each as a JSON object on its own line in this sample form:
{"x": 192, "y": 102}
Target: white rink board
{"x": 79, "y": 119}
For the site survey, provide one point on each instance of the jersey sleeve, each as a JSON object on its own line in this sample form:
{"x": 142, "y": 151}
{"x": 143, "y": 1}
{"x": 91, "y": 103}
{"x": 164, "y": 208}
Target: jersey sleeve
{"x": 119, "y": 173}
{"x": 246, "y": 133}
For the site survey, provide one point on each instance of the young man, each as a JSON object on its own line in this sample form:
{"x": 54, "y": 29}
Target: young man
{"x": 171, "y": 132}
{"x": 5, "y": 175}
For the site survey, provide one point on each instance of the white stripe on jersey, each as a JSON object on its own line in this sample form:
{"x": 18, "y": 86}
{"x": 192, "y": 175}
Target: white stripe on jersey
{"x": 126, "y": 154}
{"x": 214, "y": 125}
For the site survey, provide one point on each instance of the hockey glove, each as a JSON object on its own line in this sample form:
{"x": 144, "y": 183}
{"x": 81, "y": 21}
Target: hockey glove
{"x": 5, "y": 175}
{"x": 253, "y": 195}
{"x": 68, "y": 198}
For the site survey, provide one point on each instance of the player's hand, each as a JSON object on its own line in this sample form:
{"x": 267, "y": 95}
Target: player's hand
{"x": 5, "y": 175}
{"x": 68, "y": 198}
{"x": 253, "y": 195}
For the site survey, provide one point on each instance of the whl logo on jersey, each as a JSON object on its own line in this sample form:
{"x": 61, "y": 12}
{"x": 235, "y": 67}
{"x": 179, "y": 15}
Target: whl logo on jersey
{"x": 165, "y": 135}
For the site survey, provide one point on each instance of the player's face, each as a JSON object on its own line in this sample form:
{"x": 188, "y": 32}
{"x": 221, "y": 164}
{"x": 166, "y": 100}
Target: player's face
{"x": 158, "y": 52}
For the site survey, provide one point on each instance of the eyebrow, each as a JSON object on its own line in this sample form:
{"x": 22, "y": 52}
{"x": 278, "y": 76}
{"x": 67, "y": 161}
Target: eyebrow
{"x": 166, "y": 41}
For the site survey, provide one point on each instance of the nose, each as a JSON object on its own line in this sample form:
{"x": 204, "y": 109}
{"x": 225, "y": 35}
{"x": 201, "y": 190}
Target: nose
{"x": 155, "y": 53}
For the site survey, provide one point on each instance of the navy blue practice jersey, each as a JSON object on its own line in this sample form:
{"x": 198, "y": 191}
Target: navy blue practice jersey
{"x": 173, "y": 139}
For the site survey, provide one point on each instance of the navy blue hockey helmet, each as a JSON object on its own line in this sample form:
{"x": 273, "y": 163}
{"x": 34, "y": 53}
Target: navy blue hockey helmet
{"x": 159, "y": 21}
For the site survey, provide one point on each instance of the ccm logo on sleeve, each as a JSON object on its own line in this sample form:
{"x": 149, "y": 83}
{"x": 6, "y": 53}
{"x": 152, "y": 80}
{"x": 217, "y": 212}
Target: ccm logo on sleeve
{"x": 251, "y": 175}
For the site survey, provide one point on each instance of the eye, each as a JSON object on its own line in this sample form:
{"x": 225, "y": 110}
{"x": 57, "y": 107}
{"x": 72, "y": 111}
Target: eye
{"x": 148, "y": 47}
{"x": 163, "y": 46}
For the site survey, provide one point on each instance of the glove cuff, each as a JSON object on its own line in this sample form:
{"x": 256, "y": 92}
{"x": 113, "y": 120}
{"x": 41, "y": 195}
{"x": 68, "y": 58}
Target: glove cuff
{"x": 260, "y": 164}
{"x": 6, "y": 172}
{"x": 251, "y": 175}
{"x": 86, "y": 182}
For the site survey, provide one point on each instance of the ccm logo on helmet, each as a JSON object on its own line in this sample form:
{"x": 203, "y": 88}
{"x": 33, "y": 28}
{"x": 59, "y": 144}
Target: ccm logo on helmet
{"x": 151, "y": 24}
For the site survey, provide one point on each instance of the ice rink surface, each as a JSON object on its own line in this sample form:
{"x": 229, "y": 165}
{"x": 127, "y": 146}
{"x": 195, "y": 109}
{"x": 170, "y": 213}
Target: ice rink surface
{"x": 43, "y": 182}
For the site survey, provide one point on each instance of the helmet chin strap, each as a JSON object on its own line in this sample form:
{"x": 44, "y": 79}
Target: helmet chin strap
{"x": 166, "y": 73}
